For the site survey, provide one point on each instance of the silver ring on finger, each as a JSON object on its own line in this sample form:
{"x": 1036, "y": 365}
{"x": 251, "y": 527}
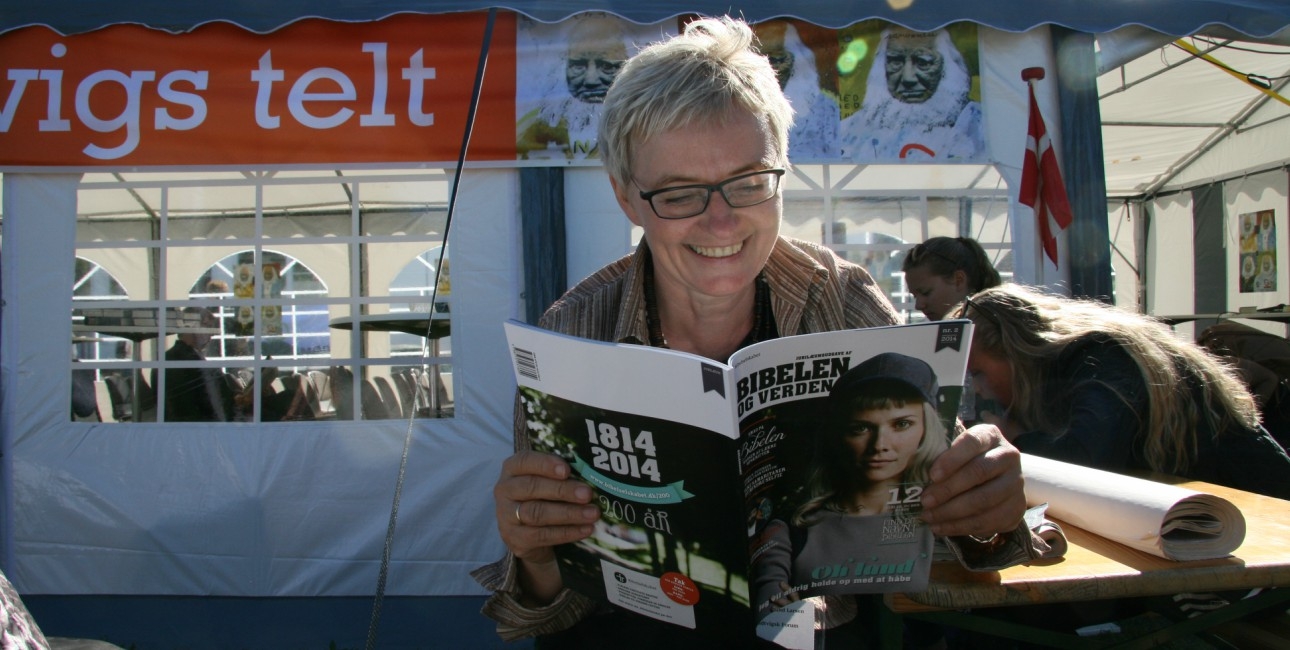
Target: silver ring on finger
{"x": 518, "y": 520}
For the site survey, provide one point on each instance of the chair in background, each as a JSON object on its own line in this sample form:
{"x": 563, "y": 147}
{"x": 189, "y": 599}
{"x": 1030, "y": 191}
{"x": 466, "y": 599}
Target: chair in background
{"x": 446, "y": 400}
{"x": 421, "y": 384}
{"x": 315, "y": 409}
{"x": 342, "y": 387}
{"x": 121, "y": 392}
{"x": 373, "y": 406}
{"x": 393, "y": 404}
{"x": 322, "y": 398}
{"x": 304, "y": 397}
{"x": 407, "y": 391}
{"x": 103, "y": 397}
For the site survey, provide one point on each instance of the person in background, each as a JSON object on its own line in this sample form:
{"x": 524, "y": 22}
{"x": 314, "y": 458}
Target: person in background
{"x": 84, "y": 399}
{"x": 694, "y": 138}
{"x": 196, "y": 394}
{"x": 1084, "y": 382}
{"x": 1088, "y": 383}
{"x": 942, "y": 271}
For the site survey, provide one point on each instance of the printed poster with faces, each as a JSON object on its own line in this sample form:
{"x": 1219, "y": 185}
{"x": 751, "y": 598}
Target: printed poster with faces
{"x": 1258, "y": 261}
{"x": 244, "y": 286}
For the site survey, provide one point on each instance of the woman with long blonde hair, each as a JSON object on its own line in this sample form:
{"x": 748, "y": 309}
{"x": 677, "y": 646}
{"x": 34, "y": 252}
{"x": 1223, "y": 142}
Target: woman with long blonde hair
{"x": 1085, "y": 382}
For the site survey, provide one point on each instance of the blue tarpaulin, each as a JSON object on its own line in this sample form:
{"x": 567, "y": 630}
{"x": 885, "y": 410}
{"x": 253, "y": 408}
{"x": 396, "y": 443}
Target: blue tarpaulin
{"x": 1256, "y": 18}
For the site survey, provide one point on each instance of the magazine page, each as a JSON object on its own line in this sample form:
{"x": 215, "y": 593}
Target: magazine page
{"x": 652, "y": 432}
{"x": 687, "y": 388}
{"x": 839, "y": 430}
{"x": 1157, "y": 518}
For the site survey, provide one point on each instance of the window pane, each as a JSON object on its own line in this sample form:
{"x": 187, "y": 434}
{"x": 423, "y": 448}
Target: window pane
{"x": 260, "y": 276}
{"x": 873, "y": 214}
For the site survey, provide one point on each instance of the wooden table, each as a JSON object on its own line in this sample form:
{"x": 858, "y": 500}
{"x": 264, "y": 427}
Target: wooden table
{"x": 1095, "y": 568}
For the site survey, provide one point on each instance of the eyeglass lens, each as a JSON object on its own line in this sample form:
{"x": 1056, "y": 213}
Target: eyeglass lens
{"x": 739, "y": 192}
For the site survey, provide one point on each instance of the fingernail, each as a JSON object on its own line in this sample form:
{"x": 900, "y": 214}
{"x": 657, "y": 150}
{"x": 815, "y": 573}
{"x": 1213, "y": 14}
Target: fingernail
{"x": 582, "y": 493}
{"x": 590, "y": 514}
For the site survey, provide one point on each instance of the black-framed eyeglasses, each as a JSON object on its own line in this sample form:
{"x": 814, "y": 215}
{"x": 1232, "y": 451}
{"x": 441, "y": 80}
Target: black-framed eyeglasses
{"x": 742, "y": 191}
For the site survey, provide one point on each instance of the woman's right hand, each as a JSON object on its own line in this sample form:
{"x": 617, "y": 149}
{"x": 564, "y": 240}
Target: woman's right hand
{"x": 999, "y": 418}
{"x": 538, "y": 507}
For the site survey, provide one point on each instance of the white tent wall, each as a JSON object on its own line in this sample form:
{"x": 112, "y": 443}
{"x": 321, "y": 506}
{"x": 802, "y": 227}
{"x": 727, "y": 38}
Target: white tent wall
{"x": 1169, "y": 265}
{"x": 50, "y": 202}
{"x": 1171, "y": 249}
{"x": 1122, "y": 223}
{"x": 259, "y": 510}
{"x": 596, "y": 232}
{"x": 1006, "y": 107}
{"x": 132, "y": 262}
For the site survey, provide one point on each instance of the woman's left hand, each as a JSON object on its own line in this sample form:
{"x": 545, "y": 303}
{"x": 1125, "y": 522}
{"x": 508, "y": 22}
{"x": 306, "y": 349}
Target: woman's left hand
{"x": 976, "y": 486}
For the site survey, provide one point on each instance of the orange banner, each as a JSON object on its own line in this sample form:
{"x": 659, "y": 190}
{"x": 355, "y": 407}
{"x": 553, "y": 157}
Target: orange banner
{"x": 314, "y": 92}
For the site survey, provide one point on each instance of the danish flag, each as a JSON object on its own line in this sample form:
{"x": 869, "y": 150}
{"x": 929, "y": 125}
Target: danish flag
{"x": 1041, "y": 182}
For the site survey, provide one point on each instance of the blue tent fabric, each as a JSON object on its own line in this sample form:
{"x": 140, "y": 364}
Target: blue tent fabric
{"x": 1255, "y": 18}
{"x": 1089, "y": 260}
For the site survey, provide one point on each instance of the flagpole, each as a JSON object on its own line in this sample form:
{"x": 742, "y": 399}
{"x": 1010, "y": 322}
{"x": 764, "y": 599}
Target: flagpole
{"x": 1030, "y": 76}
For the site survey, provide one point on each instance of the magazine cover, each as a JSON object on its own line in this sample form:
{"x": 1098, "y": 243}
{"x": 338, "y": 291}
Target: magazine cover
{"x": 837, "y": 441}
{"x": 747, "y": 490}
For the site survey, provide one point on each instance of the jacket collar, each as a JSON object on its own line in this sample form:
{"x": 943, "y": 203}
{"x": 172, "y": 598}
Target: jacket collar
{"x": 786, "y": 270}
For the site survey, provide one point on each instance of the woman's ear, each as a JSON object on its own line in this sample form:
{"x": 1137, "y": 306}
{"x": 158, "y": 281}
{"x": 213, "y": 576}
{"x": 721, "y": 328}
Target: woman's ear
{"x": 960, "y": 281}
{"x": 625, "y": 202}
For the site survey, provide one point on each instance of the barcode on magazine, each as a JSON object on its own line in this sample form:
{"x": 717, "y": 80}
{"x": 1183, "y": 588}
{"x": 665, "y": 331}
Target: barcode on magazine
{"x": 526, "y": 364}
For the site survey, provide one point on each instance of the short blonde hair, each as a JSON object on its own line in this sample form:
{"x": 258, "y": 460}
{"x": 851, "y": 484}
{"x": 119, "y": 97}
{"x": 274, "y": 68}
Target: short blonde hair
{"x": 707, "y": 72}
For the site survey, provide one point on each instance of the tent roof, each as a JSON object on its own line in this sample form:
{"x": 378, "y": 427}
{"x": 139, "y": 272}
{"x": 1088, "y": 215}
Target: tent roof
{"x": 1258, "y": 18}
{"x": 1166, "y": 114}
{"x": 1162, "y": 112}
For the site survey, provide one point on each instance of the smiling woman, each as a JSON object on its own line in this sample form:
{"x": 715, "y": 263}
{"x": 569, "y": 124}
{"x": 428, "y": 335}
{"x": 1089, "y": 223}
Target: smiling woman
{"x": 700, "y": 118}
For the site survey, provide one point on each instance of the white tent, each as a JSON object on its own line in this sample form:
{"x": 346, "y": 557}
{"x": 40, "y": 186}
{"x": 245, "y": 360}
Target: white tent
{"x": 281, "y": 511}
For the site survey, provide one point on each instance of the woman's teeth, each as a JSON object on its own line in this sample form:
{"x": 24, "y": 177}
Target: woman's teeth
{"x": 723, "y": 251}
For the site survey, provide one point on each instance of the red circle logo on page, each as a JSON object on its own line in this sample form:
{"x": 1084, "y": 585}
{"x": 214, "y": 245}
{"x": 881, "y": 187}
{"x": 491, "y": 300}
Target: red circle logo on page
{"x": 679, "y": 587}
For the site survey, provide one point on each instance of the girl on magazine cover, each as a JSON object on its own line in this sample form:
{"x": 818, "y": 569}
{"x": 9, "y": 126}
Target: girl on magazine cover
{"x": 858, "y": 519}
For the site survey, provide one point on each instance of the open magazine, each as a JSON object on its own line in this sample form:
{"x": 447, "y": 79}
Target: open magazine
{"x": 747, "y": 489}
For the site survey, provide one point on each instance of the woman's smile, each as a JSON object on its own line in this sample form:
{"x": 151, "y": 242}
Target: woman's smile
{"x": 717, "y": 251}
